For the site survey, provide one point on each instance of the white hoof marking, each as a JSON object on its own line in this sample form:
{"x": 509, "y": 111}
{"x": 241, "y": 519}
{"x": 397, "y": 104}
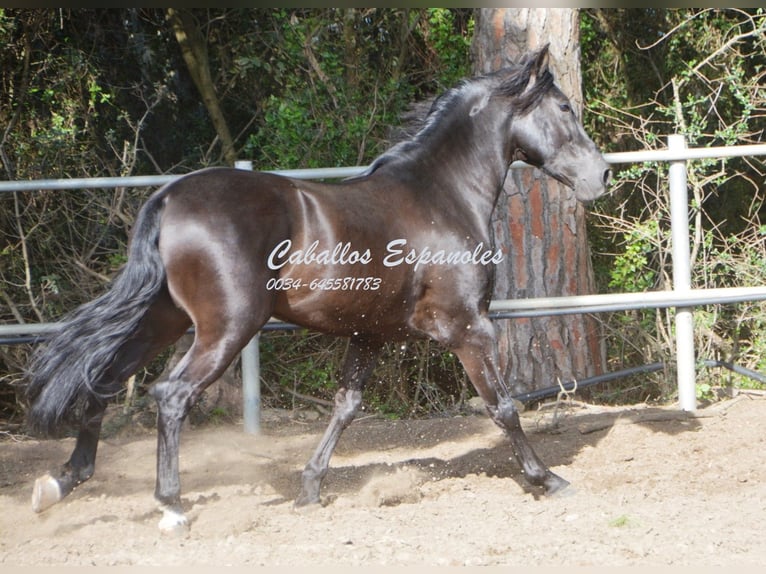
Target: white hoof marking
{"x": 46, "y": 493}
{"x": 173, "y": 522}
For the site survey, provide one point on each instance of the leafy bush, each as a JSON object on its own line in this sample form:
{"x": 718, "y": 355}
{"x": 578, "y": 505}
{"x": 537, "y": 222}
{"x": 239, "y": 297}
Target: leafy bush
{"x": 707, "y": 71}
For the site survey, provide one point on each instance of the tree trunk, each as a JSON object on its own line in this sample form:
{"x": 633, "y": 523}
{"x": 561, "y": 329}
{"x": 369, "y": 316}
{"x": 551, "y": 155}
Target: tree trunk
{"x": 194, "y": 51}
{"x": 538, "y": 222}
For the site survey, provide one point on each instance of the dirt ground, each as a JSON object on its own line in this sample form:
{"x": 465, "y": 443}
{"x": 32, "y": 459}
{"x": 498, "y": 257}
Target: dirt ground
{"x": 650, "y": 487}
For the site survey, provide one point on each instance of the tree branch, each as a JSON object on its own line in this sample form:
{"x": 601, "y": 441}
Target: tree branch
{"x": 194, "y": 53}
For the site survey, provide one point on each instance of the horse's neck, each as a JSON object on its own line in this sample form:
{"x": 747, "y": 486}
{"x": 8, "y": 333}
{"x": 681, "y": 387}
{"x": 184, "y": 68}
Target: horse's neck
{"x": 458, "y": 162}
{"x": 464, "y": 194}
{"x": 471, "y": 172}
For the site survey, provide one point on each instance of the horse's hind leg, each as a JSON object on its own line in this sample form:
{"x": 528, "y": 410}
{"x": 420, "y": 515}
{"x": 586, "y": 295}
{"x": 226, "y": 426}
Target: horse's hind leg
{"x": 357, "y": 366}
{"x": 163, "y": 324}
{"x": 215, "y": 345}
{"x": 52, "y": 487}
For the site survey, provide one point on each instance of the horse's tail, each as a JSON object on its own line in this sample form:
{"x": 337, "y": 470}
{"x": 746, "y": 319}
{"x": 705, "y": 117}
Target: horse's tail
{"x": 81, "y": 360}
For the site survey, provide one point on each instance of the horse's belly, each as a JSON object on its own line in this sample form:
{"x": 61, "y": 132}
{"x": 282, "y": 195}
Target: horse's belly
{"x": 331, "y": 308}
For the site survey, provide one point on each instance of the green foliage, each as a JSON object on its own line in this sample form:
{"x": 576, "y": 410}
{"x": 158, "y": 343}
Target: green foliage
{"x": 703, "y": 391}
{"x": 342, "y": 80}
{"x": 450, "y": 47}
{"x": 649, "y": 73}
{"x": 632, "y": 272}
{"x": 621, "y": 521}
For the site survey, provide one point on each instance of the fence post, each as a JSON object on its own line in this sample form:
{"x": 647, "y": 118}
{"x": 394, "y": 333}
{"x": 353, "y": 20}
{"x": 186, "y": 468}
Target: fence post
{"x": 679, "y": 224}
{"x": 251, "y": 367}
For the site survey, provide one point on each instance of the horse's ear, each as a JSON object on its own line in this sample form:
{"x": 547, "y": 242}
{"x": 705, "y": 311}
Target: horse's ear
{"x": 531, "y": 67}
{"x": 538, "y": 64}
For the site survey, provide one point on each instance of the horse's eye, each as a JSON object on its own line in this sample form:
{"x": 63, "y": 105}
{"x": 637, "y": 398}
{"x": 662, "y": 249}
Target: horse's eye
{"x": 565, "y": 108}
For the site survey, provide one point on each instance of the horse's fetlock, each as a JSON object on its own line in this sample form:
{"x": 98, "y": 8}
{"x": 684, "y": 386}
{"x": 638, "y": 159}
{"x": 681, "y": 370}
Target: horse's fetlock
{"x": 87, "y": 473}
{"x": 80, "y": 475}
{"x": 173, "y": 521}
{"x": 506, "y": 416}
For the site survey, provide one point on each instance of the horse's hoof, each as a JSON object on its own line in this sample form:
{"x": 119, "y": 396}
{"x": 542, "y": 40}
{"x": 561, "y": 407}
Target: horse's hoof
{"x": 173, "y": 523}
{"x": 557, "y": 486}
{"x": 566, "y": 492}
{"x": 306, "y": 502}
{"x": 46, "y": 493}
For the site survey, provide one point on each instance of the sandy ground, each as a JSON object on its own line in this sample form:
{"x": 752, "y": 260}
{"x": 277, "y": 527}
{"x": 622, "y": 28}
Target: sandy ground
{"x": 650, "y": 488}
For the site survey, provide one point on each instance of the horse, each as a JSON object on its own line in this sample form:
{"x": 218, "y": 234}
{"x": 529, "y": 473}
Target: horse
{"x": 404, "y": 250}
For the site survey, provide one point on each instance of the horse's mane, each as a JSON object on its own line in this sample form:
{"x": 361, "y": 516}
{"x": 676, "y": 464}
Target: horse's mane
{"x": 419, "y": 125}
{"x": 423, "y": 118}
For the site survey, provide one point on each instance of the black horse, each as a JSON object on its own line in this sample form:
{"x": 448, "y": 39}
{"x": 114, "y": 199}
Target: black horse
{"x": 404, "y": 250}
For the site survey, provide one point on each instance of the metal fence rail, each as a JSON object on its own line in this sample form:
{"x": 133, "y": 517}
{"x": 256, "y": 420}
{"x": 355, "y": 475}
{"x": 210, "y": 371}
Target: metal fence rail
{"x": 682, "y": 296}
{"x": 158, "y": 180}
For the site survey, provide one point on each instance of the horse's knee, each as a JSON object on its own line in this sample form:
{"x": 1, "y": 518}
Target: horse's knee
{"x": 347, "y": 403}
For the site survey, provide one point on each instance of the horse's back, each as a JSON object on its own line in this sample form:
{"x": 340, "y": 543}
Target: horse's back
{"x": 219, "y": 189}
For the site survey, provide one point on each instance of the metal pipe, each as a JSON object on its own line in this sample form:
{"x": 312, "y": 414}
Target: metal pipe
{"x": 250, "y": 358}
{"x": 251, "y": 386}
{"x": 624, "y": 301}
{"x": 41, "y": 336}
{"x": 682, "y": 276}
{"x": 343, "y": 172}
{"x": 740, "y": 370}
{"x": 685, "y": 153}
{"x": 158, "y": 180}
{"x": 540, "y": 394}
{"x": 87, "y": 183}
{"x": 537, "y": 307}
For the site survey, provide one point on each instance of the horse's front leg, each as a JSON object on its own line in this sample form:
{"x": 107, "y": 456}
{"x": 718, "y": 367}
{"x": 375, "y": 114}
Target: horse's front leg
{"x": 478, "y": 354}
{"x": 536, "y": 472}
{"x": 54, "y": 486}
{"x": 357, "y": 366}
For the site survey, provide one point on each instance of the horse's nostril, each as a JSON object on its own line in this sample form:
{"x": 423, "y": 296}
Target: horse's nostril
{"x": 607, "y": 176}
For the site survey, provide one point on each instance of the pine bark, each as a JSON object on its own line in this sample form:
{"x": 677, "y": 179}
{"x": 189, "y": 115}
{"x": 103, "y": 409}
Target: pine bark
{"x": 538, "y": 222}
